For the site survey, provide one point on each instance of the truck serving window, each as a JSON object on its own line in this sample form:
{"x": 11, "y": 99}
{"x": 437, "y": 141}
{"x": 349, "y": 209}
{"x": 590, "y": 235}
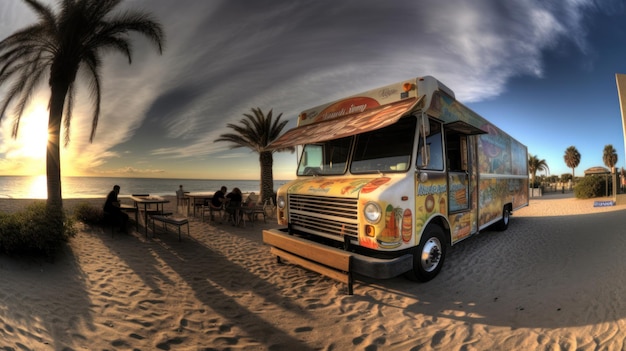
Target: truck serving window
{"x": 385, "y": 150}
{"x": 327, "y": 158}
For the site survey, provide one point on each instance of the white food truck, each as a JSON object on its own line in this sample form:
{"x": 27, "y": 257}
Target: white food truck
{"x": 389, "y": 178}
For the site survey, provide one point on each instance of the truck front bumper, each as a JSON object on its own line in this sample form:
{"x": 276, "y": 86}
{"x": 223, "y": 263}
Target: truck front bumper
{"x": 368, "y": 266}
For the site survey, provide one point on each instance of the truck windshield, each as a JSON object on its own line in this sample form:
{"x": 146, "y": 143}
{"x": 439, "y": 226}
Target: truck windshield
{"x": 385, "y": 150}
{"x": 327, "y": 158}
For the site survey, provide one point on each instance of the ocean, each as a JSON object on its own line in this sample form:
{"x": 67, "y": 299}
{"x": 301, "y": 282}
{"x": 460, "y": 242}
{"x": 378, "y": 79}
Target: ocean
{"x": 34, "y": 187}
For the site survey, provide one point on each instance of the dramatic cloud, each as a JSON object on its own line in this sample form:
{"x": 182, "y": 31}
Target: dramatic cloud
{"x": 223, "y": 58}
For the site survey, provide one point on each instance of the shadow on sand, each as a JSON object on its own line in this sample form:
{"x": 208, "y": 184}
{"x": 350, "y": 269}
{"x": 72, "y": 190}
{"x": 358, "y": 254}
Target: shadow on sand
{"x": 545, "y": 272}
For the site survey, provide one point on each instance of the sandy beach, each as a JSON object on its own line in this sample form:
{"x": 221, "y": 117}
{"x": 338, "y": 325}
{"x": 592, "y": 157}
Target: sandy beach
{"x": 555, "y": 280}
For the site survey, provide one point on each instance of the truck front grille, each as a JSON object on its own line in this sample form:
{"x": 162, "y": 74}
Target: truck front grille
{"x": 331, "y": 217}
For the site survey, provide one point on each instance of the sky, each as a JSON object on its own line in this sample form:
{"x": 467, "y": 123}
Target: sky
{"x": 541, "y": 70}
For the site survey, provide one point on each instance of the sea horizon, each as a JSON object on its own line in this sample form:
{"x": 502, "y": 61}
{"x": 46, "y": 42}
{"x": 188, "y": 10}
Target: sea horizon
{"x": 34, "y": 187}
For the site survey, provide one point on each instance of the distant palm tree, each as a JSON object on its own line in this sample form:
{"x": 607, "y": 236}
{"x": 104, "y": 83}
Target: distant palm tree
{"x": 534, "y": 165}
{"x": 572, "y": 159}
{"x": 256, "y": 131}
{"x": 609, "y": 156}
{"x": 58, "y": 46}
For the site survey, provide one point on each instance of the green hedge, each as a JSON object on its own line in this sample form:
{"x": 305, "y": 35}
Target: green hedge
{"x": 34, "y": 230}
{"x": 589, "y": 187}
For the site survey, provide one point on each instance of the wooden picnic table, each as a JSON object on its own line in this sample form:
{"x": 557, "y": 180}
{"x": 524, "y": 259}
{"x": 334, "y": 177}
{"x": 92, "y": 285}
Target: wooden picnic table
{"x": 147, "y": 200}
{"x": 200, "y": 197}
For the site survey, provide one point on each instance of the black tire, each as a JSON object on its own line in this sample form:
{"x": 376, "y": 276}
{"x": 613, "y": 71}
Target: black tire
{"x": 503, "y": 224}
{"x": 429, "y": 256}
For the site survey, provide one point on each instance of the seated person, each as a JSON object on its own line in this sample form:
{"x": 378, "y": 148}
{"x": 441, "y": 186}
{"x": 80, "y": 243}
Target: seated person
{"x": 251, "y": 207}
{"x": 181, "y": 198}
{"x": 218, "y": 198}
{"x": 233, "y": 201}
{"x": 234, "y": 196}
{"x": 180, "y": 193}
{"x": 112, "y": 207}
{"x": 252, "y": 199}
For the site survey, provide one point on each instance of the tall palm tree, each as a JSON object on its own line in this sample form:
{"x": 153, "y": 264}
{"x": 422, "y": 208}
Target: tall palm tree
{"x": 609, "y": 156}
{"x": 534, "y": 165}
{"x": 572, "y": 159}
{"x": 256, "y": 131}
{"x": 57, "y": 47}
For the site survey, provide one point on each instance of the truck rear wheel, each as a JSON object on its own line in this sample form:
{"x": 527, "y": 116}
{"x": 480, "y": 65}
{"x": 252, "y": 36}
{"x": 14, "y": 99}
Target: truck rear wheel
{"x": 503, "y": 224}
{"x": 429, "y": 256}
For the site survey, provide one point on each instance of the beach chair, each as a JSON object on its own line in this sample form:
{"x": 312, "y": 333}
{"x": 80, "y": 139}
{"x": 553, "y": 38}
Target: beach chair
{"x": 182, "y": 200}
{"x": 269, "y": 207}
{"x": 212, "y": 210}
{"x": 112, "y": 220}
{"x": 233, "y": 210}
{"x": 109, "y": 220}
{"x": 251, "y": 209}
{"x": 198, "y": 205}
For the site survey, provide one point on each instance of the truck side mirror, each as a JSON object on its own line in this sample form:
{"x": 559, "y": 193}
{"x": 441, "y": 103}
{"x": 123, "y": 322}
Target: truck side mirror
{"x": 424, "y": 131}
{"x": 425, "y": 151}
{"x": 424, "y": 125}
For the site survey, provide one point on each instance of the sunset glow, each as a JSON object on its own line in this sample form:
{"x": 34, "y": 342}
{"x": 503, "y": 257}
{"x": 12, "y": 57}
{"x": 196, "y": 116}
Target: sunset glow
{"x": 26, "y": 154}
{"x": 33, "y": 134}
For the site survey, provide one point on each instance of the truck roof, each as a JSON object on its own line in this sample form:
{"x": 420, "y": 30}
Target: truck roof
{"x": 371, "y": 99}
{"x": 369, "y": 110}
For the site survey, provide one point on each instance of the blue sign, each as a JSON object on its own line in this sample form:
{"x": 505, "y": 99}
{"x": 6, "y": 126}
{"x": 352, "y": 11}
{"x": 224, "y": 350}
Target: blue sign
{"x": 603, "y": 203}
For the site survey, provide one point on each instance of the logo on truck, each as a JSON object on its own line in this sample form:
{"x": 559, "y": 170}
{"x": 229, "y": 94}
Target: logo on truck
{"x": 346, "y": 107}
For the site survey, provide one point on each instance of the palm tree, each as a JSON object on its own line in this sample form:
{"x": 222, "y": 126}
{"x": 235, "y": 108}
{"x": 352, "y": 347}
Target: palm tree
{"x": 534, "y": 165}
{"x": 256, "y": 131}
{"x": 59, "y": 46}
{"x": 609, "y": 157}
{"x": 572, "y": 159}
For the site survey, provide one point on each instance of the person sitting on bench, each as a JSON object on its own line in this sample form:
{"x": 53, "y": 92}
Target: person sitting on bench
{"x": 233, "y": 205}
{"x": 217, "y": 202}
{"x": 112, "y": 208}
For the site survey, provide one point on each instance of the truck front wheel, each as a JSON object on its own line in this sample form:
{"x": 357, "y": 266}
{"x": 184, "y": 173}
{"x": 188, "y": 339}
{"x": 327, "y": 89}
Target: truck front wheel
{"x": 429, "y": 256}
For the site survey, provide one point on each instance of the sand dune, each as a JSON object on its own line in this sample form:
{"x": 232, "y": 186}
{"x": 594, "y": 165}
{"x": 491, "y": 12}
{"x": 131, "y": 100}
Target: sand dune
{"x": 552, "y": 281}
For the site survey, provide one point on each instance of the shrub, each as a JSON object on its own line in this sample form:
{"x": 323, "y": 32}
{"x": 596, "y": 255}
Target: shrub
{"x": 590, "y": 186}
{"x": 88, "y": 214}
{"x": 35, "y": 230}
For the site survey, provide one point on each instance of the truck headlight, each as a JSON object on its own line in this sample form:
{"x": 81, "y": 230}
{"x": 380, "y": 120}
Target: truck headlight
{"x": 372, "y": 212}
{"x": 280, "y": 202}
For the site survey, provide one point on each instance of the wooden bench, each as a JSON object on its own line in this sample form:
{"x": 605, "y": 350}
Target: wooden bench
{"x": 108, "y": 218}
{"x": 132, "y": 209}
{"x": 328, "y": 261}
{"x": 177, "y": 221}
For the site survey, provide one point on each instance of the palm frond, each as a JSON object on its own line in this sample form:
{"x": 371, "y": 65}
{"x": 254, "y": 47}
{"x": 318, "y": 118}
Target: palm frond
{"x": 59, "y": 46}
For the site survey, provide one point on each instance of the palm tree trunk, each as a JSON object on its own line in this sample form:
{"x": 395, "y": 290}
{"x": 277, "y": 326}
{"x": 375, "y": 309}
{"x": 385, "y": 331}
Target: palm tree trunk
{"x": 266, "y": 162}
{"x": 53, "y": 149}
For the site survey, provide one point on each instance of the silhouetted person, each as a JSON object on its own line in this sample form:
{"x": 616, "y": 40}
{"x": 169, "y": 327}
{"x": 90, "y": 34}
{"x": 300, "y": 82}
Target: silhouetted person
{"x": 219, "y": 197}
{"x": 112, "y": 208}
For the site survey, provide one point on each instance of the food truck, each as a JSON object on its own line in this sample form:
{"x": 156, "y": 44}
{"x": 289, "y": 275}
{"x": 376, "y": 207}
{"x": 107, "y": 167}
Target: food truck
{"x": 388, "y": 179}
